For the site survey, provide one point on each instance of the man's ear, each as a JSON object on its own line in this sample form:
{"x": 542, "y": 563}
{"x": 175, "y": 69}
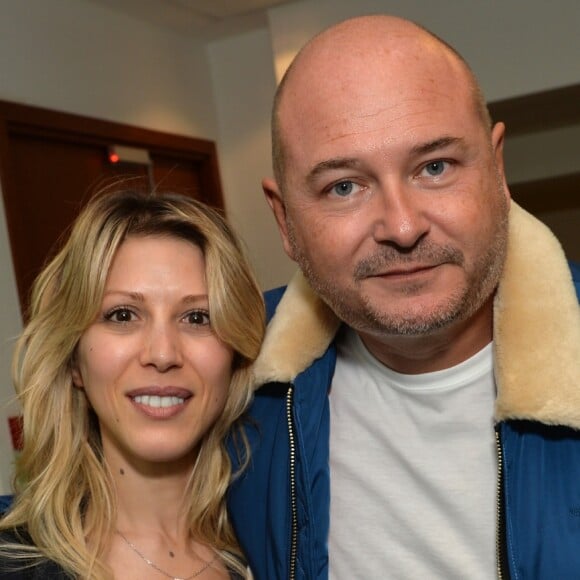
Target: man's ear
{"x": 278, "y": 207}
{"x": 497, "y": 141}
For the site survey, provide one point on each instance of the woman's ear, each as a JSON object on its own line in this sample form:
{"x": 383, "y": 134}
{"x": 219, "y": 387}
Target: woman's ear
{"x": 77, "y": 377}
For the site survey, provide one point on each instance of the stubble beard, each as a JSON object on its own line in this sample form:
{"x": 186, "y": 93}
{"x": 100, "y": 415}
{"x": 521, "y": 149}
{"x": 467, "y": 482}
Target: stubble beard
{"x": 360, "y": 312}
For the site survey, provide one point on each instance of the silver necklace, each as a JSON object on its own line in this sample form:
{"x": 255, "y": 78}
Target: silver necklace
{"x": 156, "y": 567}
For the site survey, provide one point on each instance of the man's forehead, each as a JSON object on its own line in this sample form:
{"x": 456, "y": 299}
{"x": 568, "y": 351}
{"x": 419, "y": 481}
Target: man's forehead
{"x": 386, "y": 125}
{"x": 331, "y": 69}
{"x": 364, "y": 38}
{"x": 354, "y": 92}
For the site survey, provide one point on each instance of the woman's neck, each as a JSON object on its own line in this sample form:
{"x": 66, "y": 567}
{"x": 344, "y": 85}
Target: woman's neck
{"x": 150, "y": 495}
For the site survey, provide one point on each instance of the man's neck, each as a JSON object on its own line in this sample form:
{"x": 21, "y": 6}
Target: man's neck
{"x": 439, "y": 350}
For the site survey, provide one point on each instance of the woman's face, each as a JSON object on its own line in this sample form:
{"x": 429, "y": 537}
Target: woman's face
{"x": 155, "y": 374}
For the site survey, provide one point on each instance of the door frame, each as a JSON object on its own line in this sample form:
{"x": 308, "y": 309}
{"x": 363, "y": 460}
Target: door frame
{"x": 19, "y": 119}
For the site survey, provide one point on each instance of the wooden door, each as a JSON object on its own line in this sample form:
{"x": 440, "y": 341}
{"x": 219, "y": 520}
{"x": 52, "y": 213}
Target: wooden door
{"x": 51, "y": 163}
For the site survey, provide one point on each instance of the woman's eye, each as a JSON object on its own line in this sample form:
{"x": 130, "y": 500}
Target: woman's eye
{"x": 198, "y": 317}
{"x": 435, "y": 168}
{"x": 344, "y": 188}
{"x": 120, "y": 315}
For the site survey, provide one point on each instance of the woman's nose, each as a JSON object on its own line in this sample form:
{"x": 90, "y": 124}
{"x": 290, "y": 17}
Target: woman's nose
{"x": 162, "y": 347}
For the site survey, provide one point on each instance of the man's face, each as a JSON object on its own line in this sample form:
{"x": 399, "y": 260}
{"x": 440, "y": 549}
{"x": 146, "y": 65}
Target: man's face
{"x": 394, "y": 202}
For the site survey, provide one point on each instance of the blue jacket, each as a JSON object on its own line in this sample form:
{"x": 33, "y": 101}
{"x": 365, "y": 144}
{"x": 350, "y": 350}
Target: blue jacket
{"x": 280, "y": 505}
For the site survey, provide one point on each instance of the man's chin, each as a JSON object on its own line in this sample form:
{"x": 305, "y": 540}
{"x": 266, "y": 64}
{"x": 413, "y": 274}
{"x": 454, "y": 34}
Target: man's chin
{"x": 415, "y": 318}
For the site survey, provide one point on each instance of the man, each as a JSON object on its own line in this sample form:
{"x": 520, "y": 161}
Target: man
{"x": 432, "y": 434}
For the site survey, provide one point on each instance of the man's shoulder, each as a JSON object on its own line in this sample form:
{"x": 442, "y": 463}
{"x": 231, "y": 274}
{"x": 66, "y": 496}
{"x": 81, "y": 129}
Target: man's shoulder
{"x": 575, "y": 269}
{"x": 272, "y": 297}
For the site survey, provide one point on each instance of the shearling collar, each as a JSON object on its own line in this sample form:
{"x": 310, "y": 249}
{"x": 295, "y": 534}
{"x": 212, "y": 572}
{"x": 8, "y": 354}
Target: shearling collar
{"x": 536, "y": 330}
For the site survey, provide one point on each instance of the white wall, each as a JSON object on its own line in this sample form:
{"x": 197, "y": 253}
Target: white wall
{"x": 244, "y": 84}
{"x": 78, "y": 57}
{"x": 514, "y": 46}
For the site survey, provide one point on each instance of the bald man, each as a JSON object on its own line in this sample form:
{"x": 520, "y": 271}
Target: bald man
{"x": 420, "y": 377}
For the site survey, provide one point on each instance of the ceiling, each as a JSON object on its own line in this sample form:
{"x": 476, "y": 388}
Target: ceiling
{"x": 205, "y": 19}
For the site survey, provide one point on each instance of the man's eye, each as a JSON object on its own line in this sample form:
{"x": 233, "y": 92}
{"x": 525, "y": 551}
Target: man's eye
{"x": 344, "y": 188}
{"x": 198, "y": 317}
{"x": 435, "y": 168}
{"x": 119, "y": 315}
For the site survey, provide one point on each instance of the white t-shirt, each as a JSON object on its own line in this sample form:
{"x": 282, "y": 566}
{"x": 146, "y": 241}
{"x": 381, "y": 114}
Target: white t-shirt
{"x": 413, "y": 469}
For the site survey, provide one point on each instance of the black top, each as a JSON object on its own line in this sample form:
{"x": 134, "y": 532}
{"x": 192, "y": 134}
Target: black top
{"x": 13, "y": 570}
{"x": 32, "y": 569}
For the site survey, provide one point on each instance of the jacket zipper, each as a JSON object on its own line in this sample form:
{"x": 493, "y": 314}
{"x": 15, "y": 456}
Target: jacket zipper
{"x": 501, "y": 546}
{"x": 293, "y": 501}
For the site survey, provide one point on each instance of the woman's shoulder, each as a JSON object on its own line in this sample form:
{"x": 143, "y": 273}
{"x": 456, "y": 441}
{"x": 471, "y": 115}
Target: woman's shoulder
{"x": 14, "y": 570}
{"x": 11, "y": 569}
{"x": 15, "y": 536}
{"x": 237, "y": 576}
{"x": 25, "y": 568}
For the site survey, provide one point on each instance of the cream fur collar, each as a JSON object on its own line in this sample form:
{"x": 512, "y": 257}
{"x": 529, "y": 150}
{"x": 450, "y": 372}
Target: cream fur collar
{"x": 536, "y": 330}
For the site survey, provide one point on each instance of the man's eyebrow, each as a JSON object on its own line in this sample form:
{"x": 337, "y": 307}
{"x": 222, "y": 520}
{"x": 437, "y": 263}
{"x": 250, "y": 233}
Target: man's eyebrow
{"x": 353, "y": 163}
{"x": 330, "y": 164}
{"x": 437, "y": 144}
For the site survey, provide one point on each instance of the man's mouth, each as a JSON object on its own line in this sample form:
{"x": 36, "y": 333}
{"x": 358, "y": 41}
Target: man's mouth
{"x": 399, "y": 272}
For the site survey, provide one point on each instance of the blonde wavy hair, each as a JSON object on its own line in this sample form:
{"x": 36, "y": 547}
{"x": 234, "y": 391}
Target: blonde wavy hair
{"x": 64, "y": 494}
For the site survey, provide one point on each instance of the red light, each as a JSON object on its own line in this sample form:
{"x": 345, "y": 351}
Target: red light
{"x": 113, "y": 158}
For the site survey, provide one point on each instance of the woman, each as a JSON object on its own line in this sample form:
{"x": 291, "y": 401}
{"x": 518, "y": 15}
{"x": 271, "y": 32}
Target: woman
{"x": 132, "y": 369}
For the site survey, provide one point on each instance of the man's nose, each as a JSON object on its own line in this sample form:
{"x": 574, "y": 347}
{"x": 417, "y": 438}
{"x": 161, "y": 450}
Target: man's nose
{"x": 400, "y": 217}
{"x": 161, "y": 347}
